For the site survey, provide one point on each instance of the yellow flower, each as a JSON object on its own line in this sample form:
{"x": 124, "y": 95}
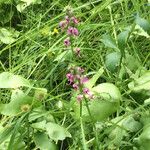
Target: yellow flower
{"x": 55, "y": 31}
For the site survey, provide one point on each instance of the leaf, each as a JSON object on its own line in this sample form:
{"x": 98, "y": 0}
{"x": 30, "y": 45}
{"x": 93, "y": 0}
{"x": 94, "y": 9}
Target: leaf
{"x": 131, "y": 125}
{"x": 18, "y": 101}
{"x": 5, "y": 134}
{"x": 112, "y": 61}
{"x": 8, "y": 36}
{"x": 122, "y": 39}
{"x": 109, "y": 41}
{"x": 143, "y": 23}
{"x": 142, "y": 83}
{"x": 56, "y": 132}
{"x": 132, "y": 63}
{"x": 9, "y": 80}
{"x": 93, "y": 80}
{"x": 43, "y": 142}
{"x": 117, "y": 135}
{"x": 107, "y": 103}
{"x": 40, "y": 113}
{"x": 25, "y": 3}
{"x": 140, "y": 31}
{"x": 144, "y": 138}
{"x": 39, "y": 125}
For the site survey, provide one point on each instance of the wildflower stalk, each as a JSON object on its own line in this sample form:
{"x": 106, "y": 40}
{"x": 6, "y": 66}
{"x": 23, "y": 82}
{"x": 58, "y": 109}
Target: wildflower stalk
{"x": 94, "y": 127}
{"x": 83, "y": 134}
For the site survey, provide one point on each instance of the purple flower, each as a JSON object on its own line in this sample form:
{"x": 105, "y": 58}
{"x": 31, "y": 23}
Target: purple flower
{"x": 67, "y": 19}
{"x": 79, "y": 97}
{"x": 86, "y": 90}
{"x": 84, "y": 80}
{"x": 63, "y": 24}
{"x": 81, "y": 70}
{"x": 67, "y": 42}
{"x": 77, "y": 51}
{"x": 70, "y": 77}
{"x": 75, "y": 86}
{"x": 75, "y": 20}
{"x": 78, "y": 77}
{"x": 75, "y": 32}
{"x": 72, "y": 31}
{"x": 91, "y": 96}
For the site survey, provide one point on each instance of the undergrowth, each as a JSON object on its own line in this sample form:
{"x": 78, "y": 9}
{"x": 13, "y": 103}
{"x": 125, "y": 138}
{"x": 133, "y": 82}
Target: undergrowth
{"x": 74, "y": 75}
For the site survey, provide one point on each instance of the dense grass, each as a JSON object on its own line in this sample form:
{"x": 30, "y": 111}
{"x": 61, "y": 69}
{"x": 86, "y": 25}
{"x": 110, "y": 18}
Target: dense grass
{"x": 51, "y": 102}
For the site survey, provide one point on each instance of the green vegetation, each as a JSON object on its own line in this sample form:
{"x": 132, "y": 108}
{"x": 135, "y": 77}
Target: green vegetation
{"x": 75, "y": 75}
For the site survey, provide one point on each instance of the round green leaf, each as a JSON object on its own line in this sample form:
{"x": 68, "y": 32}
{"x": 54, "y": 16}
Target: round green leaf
{"x": 56, "y": 132}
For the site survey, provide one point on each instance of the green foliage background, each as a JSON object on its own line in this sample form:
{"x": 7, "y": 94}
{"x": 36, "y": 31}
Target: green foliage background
{"x": 38, "y": 109}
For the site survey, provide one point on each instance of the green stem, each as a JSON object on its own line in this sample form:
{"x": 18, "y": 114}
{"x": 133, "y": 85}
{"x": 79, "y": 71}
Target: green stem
{"x": 83, "y": 135}
{"x": 94, "y": 127}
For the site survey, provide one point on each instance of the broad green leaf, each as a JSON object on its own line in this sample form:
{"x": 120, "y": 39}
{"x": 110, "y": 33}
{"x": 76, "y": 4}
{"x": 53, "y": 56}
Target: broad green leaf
{"x": 25, "y": 3}
{"x": 117, "y": 135}
{"x": 143, "y": 23}
{"x": 9, "y": 80}
{"x": 56, "y": 132}
{"x": 131, "y": 63}
{"x": 107, "y": 101}
{"x": 112, "y": 61}
{"x": 108, "y": 91}
{"x": 142, "y": 83}
{"x": 19, "y": 102}
{"x": 144, "y": 138}
{"x": 39, "y": 125}
{"x": 109, "y": 41}
{"x": 8, "y": 36}
{"x": 43, "y": 142}
{"x": 131, "y": 125}
{"x": 93, "y": 80}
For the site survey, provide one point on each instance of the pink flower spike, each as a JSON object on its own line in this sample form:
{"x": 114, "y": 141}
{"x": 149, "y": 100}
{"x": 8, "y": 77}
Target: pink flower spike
{"x": 84, "y": 80}
{"x": 70, "y": 77}
{"x": 67, "y": 42}
{"x": 81, "y": 70}
{"x": 86, "y": 90}
{"x": 70, "y": 31}
{"x": 78, "y": 77}
{"x": 67, "y": 19}
{"x": 79, "y": 98}
{"x": 77, "y": 51}
{"x": 62, "y": 24}
{"x": 91, "y": 96}
{"x": 75, "y": 20}
{"x": 75, "y": 32}
{"x": 75, "y": 86}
